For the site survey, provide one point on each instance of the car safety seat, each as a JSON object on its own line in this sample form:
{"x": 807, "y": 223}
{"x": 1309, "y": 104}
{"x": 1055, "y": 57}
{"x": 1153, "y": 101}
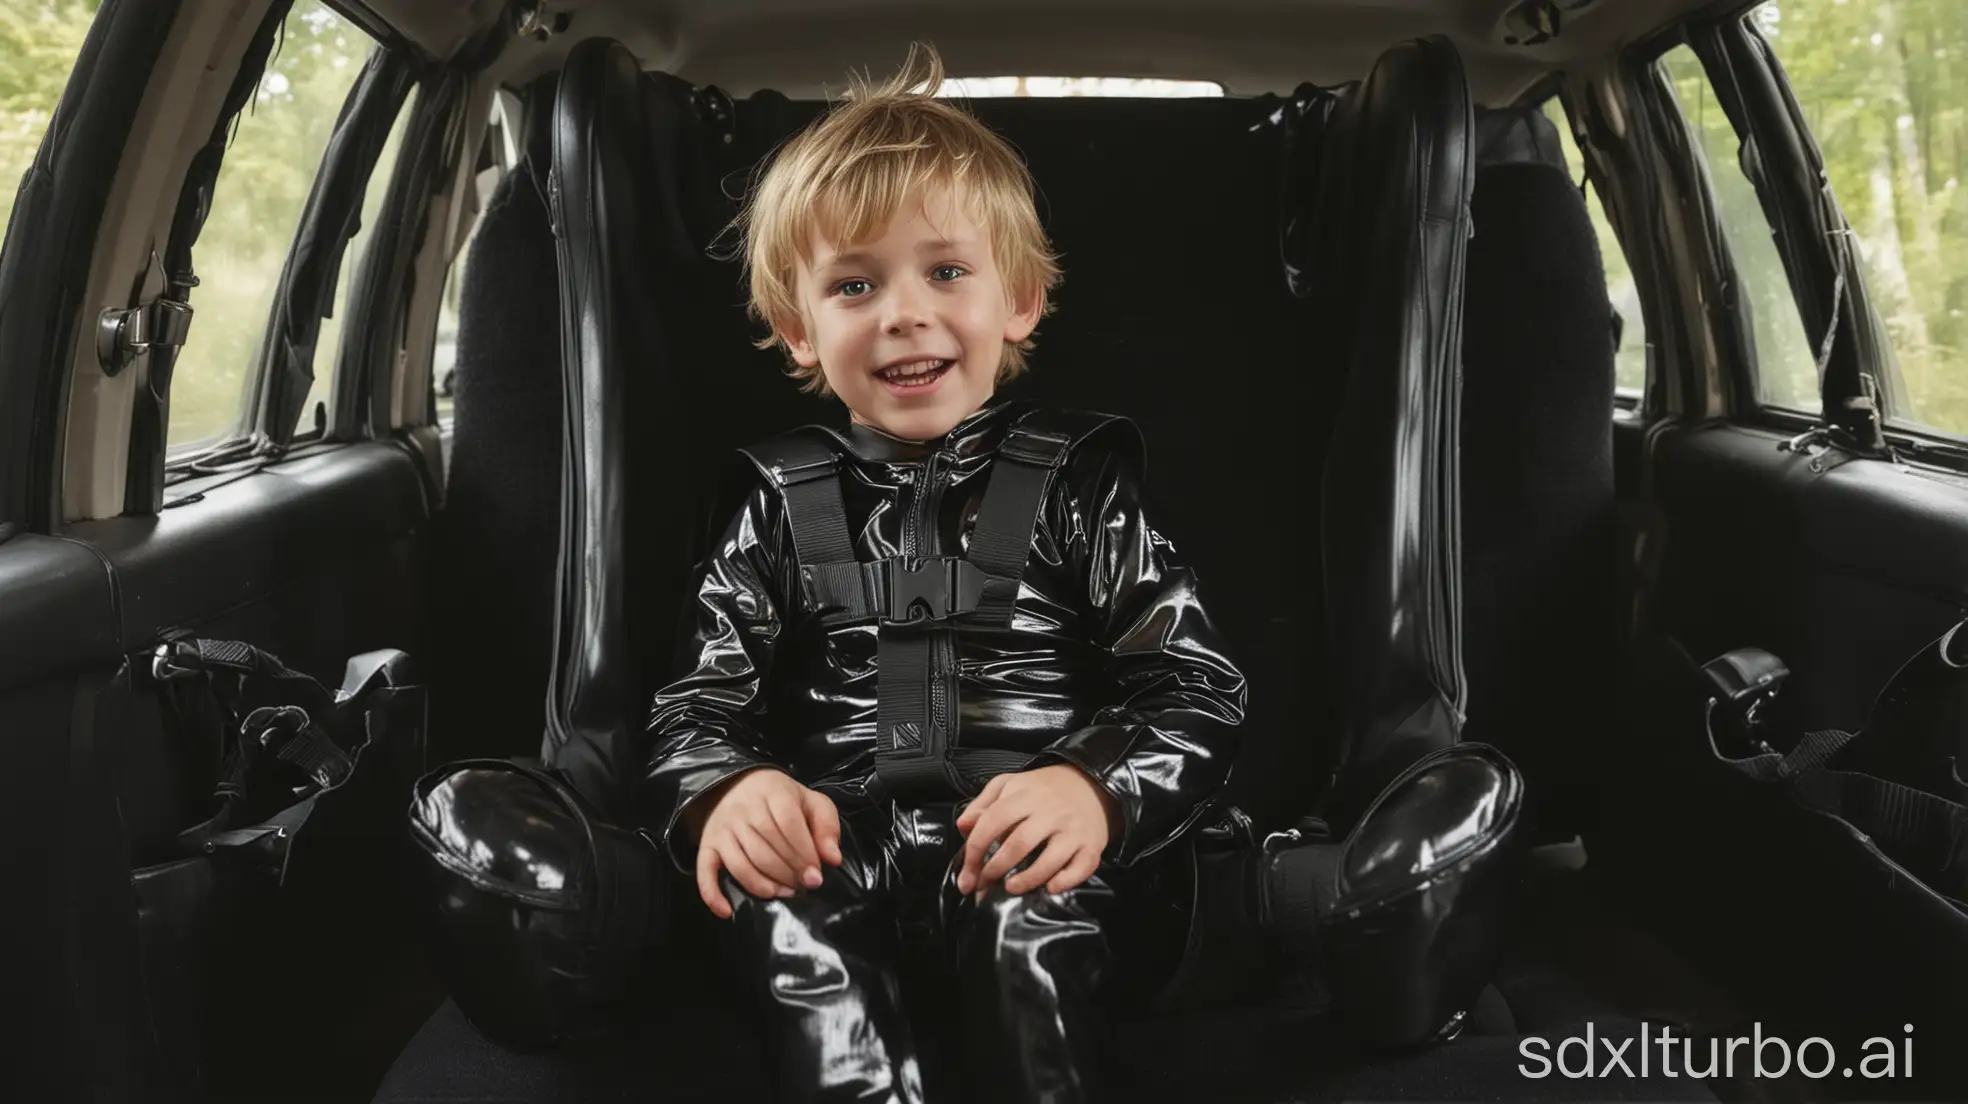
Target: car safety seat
{"x": 656, "y": 358}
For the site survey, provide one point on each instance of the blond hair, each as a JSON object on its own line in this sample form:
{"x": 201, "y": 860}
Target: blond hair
{"x": 846, "y": 176}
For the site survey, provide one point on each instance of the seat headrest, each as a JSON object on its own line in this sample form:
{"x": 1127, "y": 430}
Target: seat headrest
{"x": 1510, "y": 135}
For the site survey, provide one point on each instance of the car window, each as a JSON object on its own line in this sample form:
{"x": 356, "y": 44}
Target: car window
{"x": 1880, "y": 86}
{"x": 270, "y": 162}
{"x": 1630, "y": 364}
{"x": 327, "y": 346}
{"x": 1786, "y": 371}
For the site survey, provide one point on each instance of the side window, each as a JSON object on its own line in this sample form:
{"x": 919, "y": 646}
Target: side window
{"x": 1786, "y": 370}
{"x": 1630, "y": 364}
{"x": 1880, "y": 85}
{"x": 278, "y": 142}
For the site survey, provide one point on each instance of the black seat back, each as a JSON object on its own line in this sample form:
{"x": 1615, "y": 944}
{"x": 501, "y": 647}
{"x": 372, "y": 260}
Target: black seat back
{"x": 496, "y": 542}
{"x": 1384, "y": 265}
{"x": 1540, "y": 516}
{"x": 1175, "y": 311}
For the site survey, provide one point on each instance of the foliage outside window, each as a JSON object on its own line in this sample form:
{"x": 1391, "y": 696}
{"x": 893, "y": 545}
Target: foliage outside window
{"x": 39, "y": 41}
{"x": 1882, "y": 88}
{"x": 1786, "y": 370}
{"x": 277, "y": 145}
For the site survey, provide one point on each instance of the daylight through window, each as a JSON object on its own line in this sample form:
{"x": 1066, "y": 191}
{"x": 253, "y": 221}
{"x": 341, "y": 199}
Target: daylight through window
{"x": 262, "y": 187}
{"x": 1881, "y": 86}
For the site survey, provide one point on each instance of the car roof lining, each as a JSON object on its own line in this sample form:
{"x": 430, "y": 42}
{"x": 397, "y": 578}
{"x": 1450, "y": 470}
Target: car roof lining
{"x": 804, "y": 48}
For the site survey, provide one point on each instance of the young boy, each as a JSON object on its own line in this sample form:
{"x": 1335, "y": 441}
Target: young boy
{"x": 946, "y": 690}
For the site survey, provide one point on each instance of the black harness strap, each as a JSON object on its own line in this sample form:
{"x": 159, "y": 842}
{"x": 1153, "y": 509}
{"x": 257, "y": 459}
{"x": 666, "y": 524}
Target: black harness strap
{"x": 1002, "y": 542}
{"x": 919, "y": 600}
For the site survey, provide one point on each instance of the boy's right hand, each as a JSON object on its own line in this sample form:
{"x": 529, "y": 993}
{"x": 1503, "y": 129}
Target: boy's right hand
{"x": 770, "y": 832}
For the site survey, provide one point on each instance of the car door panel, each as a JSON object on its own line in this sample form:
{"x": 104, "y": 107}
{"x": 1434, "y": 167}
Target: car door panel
{"x": 1843, "y": 567}
{"x": 314, "y": 559}
{"x": 302, "y": 539}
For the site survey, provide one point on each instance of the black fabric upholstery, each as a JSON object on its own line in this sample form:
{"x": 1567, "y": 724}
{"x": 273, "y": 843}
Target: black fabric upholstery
{"x": 496, "y": 542}
{"x": 1539, "y": 519}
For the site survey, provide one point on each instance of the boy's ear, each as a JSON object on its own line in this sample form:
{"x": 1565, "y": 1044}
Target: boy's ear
{"x": 793, "y": 332}
{"x": 1026, "y": 306}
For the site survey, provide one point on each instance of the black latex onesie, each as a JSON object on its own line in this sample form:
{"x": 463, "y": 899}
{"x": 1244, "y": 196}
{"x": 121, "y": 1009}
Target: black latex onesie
{"x": 1111, "y": 664}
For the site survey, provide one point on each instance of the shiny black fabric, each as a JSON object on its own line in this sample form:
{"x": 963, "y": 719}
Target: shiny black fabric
{"x": 1111, "y": 661}
{"x": 860, "y": 980}
{"x": 1402, "y": 920}
{"x": 538, "y": 916}
{"x": 1383, "y": 262}
{"x": 1422, "y": 897}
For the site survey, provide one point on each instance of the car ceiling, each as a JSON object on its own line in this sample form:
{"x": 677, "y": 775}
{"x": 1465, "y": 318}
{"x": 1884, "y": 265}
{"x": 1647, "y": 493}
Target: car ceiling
{"x": 805, "y": 47}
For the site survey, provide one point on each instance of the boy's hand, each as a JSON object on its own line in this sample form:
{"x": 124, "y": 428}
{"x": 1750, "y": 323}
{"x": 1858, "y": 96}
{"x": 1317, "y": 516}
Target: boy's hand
{"x": 770, "y": 832}
{"x": 1058, "y": 806}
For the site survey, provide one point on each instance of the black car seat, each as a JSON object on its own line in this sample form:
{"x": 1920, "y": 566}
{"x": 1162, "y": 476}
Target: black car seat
{"x": 1197, "y": 363}
{"x": 1382, "y": 265}
{"x": 1540, "y": 521}
{"x": 656, "y": 357}
{"x": 494, "y": 586}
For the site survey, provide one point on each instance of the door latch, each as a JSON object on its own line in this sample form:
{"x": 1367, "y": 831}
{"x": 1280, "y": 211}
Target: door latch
{"x": 125, "y": 333}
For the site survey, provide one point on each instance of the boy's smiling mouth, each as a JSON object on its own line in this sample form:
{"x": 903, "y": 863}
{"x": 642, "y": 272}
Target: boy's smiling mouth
{"x": 914, "y": 374}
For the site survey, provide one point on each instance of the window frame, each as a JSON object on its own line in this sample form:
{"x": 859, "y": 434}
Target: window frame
{"x": 58, "y": 259}
{"x": 1641, "y": 160}
{"x": 1813, "y": 237}
{"x": 328, "y": 227}
{"x": 1860, "y": 390}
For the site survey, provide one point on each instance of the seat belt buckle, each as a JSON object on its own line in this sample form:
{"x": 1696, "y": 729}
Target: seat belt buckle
{"x": 174, "y": 660}
{"x": 1744, "y": 681}
{"x": 931, "y": 589}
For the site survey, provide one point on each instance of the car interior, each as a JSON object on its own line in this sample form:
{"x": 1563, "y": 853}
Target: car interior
{"x": 1356, "y": 295}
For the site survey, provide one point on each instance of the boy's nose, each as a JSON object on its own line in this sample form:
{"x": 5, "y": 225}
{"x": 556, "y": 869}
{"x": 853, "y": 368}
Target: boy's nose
{"x": 905, "y": 312}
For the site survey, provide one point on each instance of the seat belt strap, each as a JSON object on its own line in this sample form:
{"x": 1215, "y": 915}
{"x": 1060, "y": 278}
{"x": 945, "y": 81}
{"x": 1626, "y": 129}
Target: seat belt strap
{"x": 918, "y": 601}
{"x": 807, "y": 471}
{"x": 1001, "y": 543}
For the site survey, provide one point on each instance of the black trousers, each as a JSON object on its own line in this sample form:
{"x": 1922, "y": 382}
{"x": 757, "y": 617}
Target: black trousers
{"x": 886, "y": 984}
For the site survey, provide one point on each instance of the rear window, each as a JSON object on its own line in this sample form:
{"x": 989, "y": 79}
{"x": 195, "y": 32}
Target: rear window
{"x": 978, "y": 88}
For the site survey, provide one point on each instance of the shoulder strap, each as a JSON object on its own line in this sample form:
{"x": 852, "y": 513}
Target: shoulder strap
{"x": 916, "y": 599}
{"x": 805, "y": 465}
{"x": 806, "y": 468}
{"x": 1032, "y": 450}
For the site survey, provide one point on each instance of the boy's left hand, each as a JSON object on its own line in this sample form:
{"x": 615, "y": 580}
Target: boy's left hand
{"x": 1059, "y": 806}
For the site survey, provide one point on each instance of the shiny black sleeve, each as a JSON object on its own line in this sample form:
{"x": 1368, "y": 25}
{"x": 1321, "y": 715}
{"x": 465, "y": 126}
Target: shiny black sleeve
{"x": 1163, "y": 748}
{"x": 704, "y": 725}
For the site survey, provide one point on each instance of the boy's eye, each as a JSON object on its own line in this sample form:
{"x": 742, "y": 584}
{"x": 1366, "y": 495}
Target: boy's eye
{"x": 946, "y": 272}
{"x": 846, "y": 287}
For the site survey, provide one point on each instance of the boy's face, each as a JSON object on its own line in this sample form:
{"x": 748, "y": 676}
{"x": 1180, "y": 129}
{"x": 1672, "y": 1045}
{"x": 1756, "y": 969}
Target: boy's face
{"x": 910, "y": 328}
